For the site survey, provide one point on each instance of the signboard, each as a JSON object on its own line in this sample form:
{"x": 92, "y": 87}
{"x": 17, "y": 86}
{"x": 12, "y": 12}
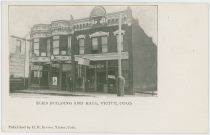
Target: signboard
{"x": 97, "y": 66}
{"x": 60, "y": 58}
{"x": 36, "y": 67}
{"x": 40, "y": 59}
{"x": 83, "y": 61}
{"x": 111, "y": 76}
{"x": 54, "y": 82}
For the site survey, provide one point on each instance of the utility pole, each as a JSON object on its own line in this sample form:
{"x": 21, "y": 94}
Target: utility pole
{"x": 120, "y": 79}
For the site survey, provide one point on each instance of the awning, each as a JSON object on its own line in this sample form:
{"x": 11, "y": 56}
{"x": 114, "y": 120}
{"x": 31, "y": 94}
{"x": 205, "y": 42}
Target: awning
{"x": 102, "y": 56}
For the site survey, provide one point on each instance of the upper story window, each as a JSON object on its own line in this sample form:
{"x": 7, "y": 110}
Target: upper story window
{"x": 104, "y": 43}
{"x": 48, "y": 47}
{"x": 95, "y": 44}
{"x": 56, "y": 45}
{"x": 63, "y": 44}
{"x": 43, "y": 47}
{"x": 81, "y": 46}
{"x": 81, "y": 42}
{"x": 36, "y": 47}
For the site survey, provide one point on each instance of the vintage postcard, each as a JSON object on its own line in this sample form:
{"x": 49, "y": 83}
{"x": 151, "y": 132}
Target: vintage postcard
{"x": 104, "y": 67}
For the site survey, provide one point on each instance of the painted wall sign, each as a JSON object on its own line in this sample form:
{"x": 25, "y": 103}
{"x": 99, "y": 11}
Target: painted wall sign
{"x": 61, "y": 27}
{"x": 36, "y": 67}
{"x": 61, "y": 58}
{"x": 40, "y": 59}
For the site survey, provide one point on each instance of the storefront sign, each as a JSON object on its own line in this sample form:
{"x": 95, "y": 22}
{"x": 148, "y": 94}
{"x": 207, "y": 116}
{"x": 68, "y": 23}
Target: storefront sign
{"x": 40, "y": 59}
{"x": 111, "y": 76}
{"x": 54, "y": 81}
{"x": 61, "y": 58}
{"x": 61, "y": 27}
{"x": 36, "y": 67}
{"x": 83, "y": 61}
{"x": 97, "y": 66}
{"x": 40, "y": 30}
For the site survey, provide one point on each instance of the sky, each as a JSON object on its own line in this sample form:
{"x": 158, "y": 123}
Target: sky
{"x": 22, "y": 18}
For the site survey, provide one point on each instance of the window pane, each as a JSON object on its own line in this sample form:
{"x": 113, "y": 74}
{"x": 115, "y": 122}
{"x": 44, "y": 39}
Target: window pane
{"x": 81, "y": 45}
{"x": 36, "y": 52}
{"x": 95, "y": 43}
{"x": 43, "y": 54}
{"x": 104, "y": 40}
{"x": 48, "y": 47}
{"x": 63, "y": 52}
{"x": 56, "y": 44}
{"x": 104, "y": 44}
{"x": 104, "y": 48}
{"x": 55, "y": 37}
{"x": 36, "y": 46}
{"x": 81, "y": 42}
{"x": 36, "y": 40}
{"x": 82, "y": 50}
{"x": 56, "y": 51}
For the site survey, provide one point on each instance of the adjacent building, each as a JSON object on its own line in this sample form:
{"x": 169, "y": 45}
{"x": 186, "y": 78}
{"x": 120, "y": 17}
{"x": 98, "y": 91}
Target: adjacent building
{"x": 81, "y": 54}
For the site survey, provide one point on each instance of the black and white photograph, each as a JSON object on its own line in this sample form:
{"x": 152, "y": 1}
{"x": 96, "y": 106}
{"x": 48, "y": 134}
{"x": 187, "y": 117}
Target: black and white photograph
{"x": 83, "y": 50}
{"x": 104, "y": 67}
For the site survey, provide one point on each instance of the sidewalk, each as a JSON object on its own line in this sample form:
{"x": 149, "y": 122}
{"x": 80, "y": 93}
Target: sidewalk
{"x": 69, "y": 93}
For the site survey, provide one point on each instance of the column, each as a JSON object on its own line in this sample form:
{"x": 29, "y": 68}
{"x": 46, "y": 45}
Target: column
{"x": 95, "y": 79}
{"x": 60, "y": 76}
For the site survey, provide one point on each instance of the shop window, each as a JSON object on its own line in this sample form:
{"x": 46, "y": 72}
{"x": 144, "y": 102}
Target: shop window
{"x": 104, "y": 44}
{"x": 36, "y": 47}
{"x": 81, "y": 46}
{"x": 37, "y": 74}
{"x": 117, "y": 36}
{"x": 94, "y": 44}
{"x": 55, "y": 45}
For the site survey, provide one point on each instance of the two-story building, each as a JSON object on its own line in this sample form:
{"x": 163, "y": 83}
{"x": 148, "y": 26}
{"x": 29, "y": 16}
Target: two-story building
{"x": 82, "y": 54}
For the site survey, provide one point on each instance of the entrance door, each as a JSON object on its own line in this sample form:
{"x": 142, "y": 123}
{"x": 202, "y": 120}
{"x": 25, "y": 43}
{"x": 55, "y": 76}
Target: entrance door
{"x": 101, "y": 80}
{"x": 44, "y": 78}
{"x": 64, "y": 81}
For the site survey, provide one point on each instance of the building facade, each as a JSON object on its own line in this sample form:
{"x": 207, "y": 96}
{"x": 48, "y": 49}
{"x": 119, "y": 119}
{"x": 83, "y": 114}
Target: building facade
{"x": 82, "y": 54}
{"x": 17, "y": 57}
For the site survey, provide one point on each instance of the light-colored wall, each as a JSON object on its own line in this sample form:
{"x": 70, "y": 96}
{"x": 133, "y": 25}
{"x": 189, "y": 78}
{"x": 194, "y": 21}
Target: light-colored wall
{"x": 18, "y": 60}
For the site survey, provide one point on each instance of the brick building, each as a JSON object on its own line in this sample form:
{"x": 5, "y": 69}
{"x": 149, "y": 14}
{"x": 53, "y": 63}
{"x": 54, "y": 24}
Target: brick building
{"x": 81, "y": 54}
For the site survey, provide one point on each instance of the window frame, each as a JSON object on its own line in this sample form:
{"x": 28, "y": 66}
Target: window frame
{"x": 36, "y": 41}
{"x": 81, "y": 51}
{"x": 96, "y": 42}
{"x": 56, "y": 39}
{"x": 104, "y": 45}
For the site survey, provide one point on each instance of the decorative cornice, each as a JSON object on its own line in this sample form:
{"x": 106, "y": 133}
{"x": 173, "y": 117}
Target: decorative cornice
{"x": 80, "y": 36}
{"x": 99, "y": 33}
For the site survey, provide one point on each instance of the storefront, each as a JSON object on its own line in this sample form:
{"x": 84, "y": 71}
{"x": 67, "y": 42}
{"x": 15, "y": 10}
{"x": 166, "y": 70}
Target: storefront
{"x": 98, "y": 72}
